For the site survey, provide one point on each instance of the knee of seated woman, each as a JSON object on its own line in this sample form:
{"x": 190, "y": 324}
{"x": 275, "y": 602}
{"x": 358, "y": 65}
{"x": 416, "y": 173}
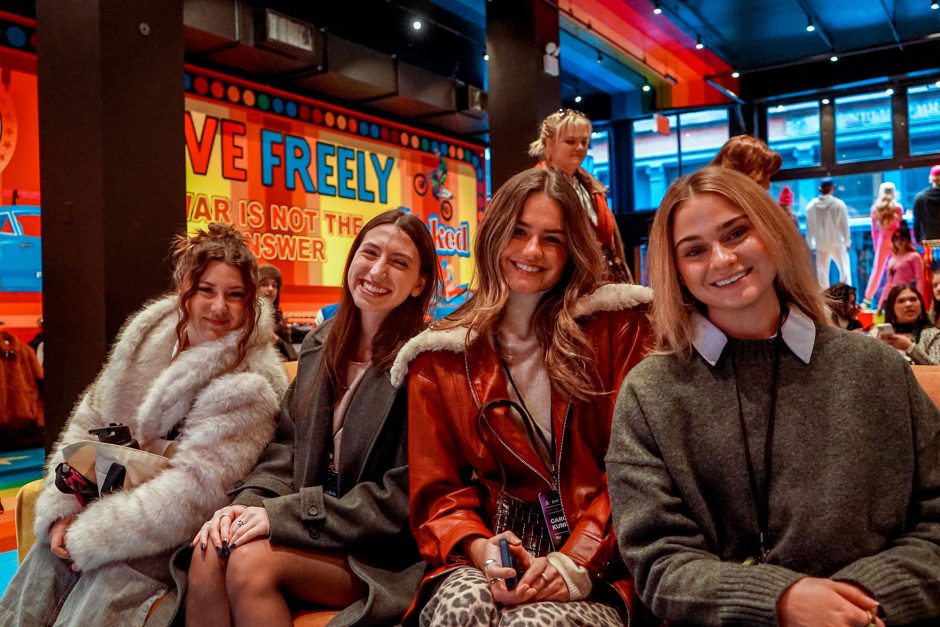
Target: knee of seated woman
{"x": 251, "y": 567}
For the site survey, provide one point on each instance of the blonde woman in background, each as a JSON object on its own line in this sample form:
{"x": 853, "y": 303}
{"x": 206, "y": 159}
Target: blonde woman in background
{"x": 886, "y": 215}
{"x": 562, "y": 144}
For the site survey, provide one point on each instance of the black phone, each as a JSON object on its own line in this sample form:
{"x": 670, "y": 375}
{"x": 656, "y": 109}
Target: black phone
{"x": 507, "y": 562}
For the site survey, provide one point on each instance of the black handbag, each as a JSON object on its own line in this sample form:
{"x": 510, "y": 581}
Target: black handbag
{"x": 512, "y": 513}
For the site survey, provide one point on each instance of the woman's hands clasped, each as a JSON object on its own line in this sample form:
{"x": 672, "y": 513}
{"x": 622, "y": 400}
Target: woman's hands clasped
{"x": 232, "y": 526}
{"x": 814, "y": 601}
{"x": 541, "y": 581}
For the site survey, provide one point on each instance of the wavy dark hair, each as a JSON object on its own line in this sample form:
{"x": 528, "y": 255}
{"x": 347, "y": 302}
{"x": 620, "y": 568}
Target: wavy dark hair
{"x": 217, "y": 242}
{"x": 892, "y": 317}
{"x": 406, "y": 321}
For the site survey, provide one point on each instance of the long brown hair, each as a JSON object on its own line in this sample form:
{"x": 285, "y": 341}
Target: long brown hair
{"x": 569, "y": 356}
{"x": 673, "y": 303}
{"x": 218, "y": 242}
{"x": 403, "y": 323}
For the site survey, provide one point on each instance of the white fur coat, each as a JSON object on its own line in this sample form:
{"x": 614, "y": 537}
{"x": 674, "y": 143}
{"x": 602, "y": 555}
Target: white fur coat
{"x": 228, "y": 418}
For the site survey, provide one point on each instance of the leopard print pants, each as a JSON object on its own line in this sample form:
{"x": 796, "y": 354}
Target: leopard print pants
{"x": 464, "y": 598}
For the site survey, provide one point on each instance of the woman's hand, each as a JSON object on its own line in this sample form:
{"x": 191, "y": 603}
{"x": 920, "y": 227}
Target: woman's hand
{"x": 900, "y": 342}
{"x": 546, "y": 579}
{"x": 541, "y": 582}
{"x": 57, "y": 537}
{"x": 251, "y": 525}
{"x": 217, "y": 529}
{"x": 818, "y": 602}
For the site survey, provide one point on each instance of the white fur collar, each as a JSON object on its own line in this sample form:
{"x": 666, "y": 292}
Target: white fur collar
{"x": 173, "y": 391}
{"x": 610, "y": 297}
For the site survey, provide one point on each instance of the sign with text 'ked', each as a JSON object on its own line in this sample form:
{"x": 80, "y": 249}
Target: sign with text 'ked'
{"x": 300, "y": 178}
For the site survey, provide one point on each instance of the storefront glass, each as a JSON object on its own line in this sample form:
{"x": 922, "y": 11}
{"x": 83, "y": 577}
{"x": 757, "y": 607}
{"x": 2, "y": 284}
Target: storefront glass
{"x": 793, "y": 131}
{"x": 863, "y": 127}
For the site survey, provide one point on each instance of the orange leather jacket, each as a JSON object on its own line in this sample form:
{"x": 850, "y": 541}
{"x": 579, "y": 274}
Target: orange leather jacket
{"x": 454, "y": 477}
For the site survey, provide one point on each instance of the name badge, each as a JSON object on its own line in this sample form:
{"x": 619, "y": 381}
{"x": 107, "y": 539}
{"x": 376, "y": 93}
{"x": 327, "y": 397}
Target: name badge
{"x": 555, "y": 519}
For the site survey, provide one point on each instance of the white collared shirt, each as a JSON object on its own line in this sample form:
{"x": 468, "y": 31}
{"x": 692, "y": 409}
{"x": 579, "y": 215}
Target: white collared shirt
{"x": 799, "y": 334}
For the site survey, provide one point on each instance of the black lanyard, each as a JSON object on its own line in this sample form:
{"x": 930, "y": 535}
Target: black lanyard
{"x": 761, "y": 494}
{"x": 535, "y": 432}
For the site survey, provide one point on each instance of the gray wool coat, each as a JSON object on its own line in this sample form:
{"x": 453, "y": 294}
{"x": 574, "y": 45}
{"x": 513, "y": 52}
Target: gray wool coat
{"x": 369, "y": 521}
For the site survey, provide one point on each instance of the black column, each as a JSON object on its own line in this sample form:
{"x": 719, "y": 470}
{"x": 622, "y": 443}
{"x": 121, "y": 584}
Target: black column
{"x": 112, "y": 176}
{"x": 520, "y": 93}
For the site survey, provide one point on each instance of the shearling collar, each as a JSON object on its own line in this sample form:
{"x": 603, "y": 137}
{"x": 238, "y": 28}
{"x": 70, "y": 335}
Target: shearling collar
{"x": 173, "y": 391}
{"x": 611, "y": 297}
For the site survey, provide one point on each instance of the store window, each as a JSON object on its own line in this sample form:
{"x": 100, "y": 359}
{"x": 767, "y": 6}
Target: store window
{"x": 863, "y": 127}
{"x": 793, "y": 131}
{"x": 597, "y": 161}
{"x": 661, "y": 154}
{"x": 923, "y": 118}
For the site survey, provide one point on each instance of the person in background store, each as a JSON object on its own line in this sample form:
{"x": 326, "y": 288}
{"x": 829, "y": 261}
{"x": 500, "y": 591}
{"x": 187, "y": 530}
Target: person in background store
{"x": 886, "y": 215}
{"x": 843, "y": 308}
{"x": 927, "y": 209}
{"x": 37, "y": 343}
{"x": 196, "y": 367}
{"x": 269, "y": 286}
{"x": 562, "y": 145}
{"x": 752, "y": 157}
{"x": 785, "y": 200}
{"x": 827, "y": 233}
{"x": 766, "y": 468}
{"x": 913, "y": 335}
{"x": 905, "y": 266}
{"x": 323, "y": 518}
{"x": 934, "y": 312}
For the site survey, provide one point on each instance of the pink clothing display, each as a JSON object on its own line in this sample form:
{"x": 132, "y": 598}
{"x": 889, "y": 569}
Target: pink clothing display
{"x": 881, "y": 241}
{"x": 904, "y": 269}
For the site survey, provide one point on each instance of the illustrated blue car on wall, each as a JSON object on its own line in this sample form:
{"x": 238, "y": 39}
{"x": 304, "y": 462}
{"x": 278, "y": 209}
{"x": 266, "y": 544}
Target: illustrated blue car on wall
{"x": 20, "y": 249}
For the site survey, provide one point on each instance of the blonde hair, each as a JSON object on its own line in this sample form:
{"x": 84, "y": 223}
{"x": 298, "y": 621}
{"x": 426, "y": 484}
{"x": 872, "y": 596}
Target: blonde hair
{"x": 886, "y": 205}
{"x": 750, "y": 156}
{"x": 673, "y": 303}
{"x": 554, "y": 125}
{"x": 569, "y": 355}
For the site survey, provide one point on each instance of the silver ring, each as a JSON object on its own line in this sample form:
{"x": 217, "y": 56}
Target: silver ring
{"x": 240, "y": 522}
{"x": 493, "y": 580}
{"x": 871, "y": 618}
{"x": 544, "y": 578}
{"x": 488, "y": 563}
{"x": 208, "y": 522}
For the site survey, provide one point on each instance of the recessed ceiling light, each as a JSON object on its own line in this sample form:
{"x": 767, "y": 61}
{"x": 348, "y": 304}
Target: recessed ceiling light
{"x": 577, "y": 98}
{"x": 657, "y": 9}
{"x": 486, "y": 56}
{"x": 889, "y": 91}
{"x": 417, "y": 25}
{"x": 825, "y": 101}
{"x": 646, "y": 87}
{"x": 834, "y": 58}
{"x": 735, "y": 74}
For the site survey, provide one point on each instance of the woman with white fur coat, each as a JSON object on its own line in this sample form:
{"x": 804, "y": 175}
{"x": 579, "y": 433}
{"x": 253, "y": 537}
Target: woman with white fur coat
{"x": 195, "y": 367}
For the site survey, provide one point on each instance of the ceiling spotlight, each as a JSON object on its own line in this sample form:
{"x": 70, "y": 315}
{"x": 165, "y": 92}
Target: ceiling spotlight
{"x": 698, "y": 42}
{"x": 600, "y": 57}
{"x": 889, "y": 91}
{"x": 735, "y": 74}
{"x": 417, "y": 25}
{"x": 825, "y": 101}
{"x": 486, "y": 56}
{"x": 810, "y": 27}
{"x": 657, "y": 9}
{"x": 577, "y": 98}
{"x": 834, "y": 58}
{"x": 935, "y": 5}
{"x": 937, "y": 84}
{"x": 647, "y": 87}
{"x": 779, "y": 107}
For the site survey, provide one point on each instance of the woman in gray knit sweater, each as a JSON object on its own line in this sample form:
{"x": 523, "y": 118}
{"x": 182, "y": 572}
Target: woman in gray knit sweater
{"x": 765, "y": 468}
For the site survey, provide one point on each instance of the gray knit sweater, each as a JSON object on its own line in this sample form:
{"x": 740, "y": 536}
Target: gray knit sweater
{"x": 855, "y": 490}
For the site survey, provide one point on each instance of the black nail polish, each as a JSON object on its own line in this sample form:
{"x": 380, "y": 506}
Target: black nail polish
{"x": 218, "y": 551}
{"x": 202, "y": 546}
{"x": 232, "y": 548}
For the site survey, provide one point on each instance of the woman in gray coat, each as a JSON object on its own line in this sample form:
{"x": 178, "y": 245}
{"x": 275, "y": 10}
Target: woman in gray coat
{"x": 323, "y": 518}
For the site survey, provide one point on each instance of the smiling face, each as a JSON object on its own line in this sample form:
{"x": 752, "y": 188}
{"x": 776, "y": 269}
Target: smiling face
{"x": 935, "y": 286}
{"x": 723, "y": 262}
{"x": 907, "y": 307}
{"x": 535, "y": 256}
{"x": 384, "y": 271}
{"x": 218, "y": 306}
{"x": 567, "y": 150}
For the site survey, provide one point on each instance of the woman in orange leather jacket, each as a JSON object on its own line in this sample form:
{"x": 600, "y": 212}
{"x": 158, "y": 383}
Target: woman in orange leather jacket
{"x": 512, "y": 396}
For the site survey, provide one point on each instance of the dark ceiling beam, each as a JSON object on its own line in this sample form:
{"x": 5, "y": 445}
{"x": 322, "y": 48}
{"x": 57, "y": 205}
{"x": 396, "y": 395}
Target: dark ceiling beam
{"x": 894, "y": 30}
{"x": 817, "y": 24}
